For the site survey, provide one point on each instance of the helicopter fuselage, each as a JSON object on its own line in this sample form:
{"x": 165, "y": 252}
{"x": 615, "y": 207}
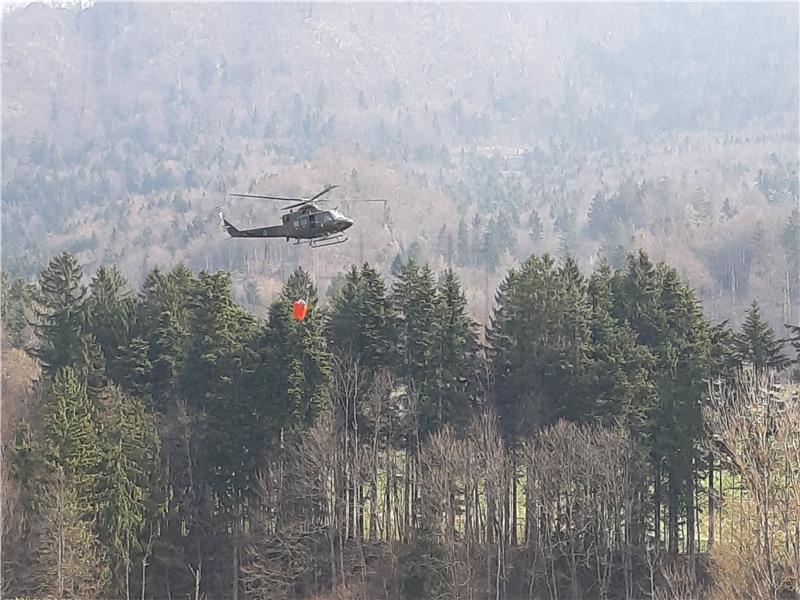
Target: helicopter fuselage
{"x": 311, "y": 223}
{"x": 306, "y": 223}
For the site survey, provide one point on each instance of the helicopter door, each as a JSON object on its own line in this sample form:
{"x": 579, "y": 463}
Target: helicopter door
{"x": 312, "y": 221}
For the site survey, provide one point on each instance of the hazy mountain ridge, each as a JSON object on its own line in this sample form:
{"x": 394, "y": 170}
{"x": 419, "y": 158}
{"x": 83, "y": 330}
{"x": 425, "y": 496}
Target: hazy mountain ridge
{"x": 151, "y": 114}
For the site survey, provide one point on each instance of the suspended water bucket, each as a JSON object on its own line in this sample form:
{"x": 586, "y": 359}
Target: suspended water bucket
{"x": 299, "y": 309}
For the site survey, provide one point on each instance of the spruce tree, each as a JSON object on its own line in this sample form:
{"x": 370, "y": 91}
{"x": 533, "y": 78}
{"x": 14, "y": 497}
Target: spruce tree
{"x": 294, "y": 362}
{"x": 377, "y": 321}
{"x": 18, "y": 295}
{"x": 724, "y": 359}
{"x": 362, "y": 319}
{"x": 72, "y": 437}
{"x": 620, "y": 380}
{"x": 213, "y": 383}
{"x": 757, "y": 344}
{"x": 667, "y": 319}
{"x": 539, "y": 337}
{"x": 454, "y": 356}
{"x": 418, "y": 309}
{"x": 60, "y": 314}
{"x": 110, "y": 310}
{"x": 68, "y": 559}
{"x": 128, "y": 480}
{"x": 162, "y": 320}
{"x": 463, "y": 257}
{"x": 346, "y": 309}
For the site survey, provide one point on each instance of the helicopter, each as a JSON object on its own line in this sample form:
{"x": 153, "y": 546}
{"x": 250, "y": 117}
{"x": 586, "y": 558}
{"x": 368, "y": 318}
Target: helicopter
{"x": 309, "y": 224}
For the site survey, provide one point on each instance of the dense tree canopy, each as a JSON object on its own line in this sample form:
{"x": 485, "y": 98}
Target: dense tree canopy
{"x": 176, "y": 429}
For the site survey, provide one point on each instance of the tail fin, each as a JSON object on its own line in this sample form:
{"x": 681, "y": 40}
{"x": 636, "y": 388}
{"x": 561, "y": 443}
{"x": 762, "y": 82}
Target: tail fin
{"x": 227, "y": 227}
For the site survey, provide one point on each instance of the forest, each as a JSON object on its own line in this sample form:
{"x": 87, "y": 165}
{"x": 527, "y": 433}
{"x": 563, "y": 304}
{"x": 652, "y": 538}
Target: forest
{"x": 598, "y": 438}
{"x": 557, "y": 360}
{"x": 493, "y": 131}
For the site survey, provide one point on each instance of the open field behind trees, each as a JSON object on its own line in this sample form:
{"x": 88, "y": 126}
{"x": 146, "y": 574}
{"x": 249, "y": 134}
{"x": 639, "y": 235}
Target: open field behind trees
{"x": 494, "y": 132}
{"x": 604, "y": 441}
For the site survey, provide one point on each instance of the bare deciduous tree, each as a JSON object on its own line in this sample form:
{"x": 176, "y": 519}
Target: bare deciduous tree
{"x": 754, "y": 426}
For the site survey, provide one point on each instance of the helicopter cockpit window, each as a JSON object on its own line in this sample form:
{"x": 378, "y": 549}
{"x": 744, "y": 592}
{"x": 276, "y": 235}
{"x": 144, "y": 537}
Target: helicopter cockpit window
{"x": 325, "y": 218}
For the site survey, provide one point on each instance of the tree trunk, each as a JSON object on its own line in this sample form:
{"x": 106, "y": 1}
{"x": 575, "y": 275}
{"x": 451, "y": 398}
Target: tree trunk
{"x": 672, "y": 506}
{"x": 690, "y": 514}
{"x": 235, "y": 563}
{"x": 711, "y": 500}
{"x": 513, "y": 499}
{"x": 198, "y": 574}
{"x": 657, "y": 502}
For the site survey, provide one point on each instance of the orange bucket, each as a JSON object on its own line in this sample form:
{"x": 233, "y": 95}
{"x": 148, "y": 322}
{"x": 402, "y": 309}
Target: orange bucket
{"x": 299, "y": 309}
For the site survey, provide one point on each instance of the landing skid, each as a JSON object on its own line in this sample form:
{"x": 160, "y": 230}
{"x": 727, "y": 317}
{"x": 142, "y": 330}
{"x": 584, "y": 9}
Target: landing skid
{"x": 330, "y": 240}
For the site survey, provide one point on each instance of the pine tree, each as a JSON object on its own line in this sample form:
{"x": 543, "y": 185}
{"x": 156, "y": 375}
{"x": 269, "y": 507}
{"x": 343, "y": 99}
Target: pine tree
{"x": 135, "y": 369}
{"x": 377, "y": 321}
{"x": 724, "y": 361}
{"x": 757, "y": 344}
{"x": 346, "y": 308}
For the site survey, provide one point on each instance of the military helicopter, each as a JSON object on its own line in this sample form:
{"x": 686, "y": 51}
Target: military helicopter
{"x": 307, "y": 225}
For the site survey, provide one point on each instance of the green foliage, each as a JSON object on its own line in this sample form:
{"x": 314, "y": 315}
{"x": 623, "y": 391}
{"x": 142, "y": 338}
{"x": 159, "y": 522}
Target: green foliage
{"x": 539, "y": 338}
{"x": 60, "y": 315}
{"x": 362, "y": 319}
{"x": 158, "y": 467}
{"x": 620, "y": 381}
{"x": 418, "y": 308}
{"x": 219, "y": 353}
{"x": 293, "y": 360}
{"x": 110, "y": 311}
{"x": 162, "y": 321}
{"x": 129, "y": 478}
{"x": 72, "y": 437}
{"x": 454, "y": 357}
{"x": 757, "y": 344}
{"x": 17, "y": 299}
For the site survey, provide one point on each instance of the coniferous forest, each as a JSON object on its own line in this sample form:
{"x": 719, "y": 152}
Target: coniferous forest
{"x": 557, "y": 358}
{"x": 598, "y": 438}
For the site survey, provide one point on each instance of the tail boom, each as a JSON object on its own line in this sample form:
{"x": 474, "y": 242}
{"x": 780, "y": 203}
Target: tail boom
{"x": 261, "y": 232}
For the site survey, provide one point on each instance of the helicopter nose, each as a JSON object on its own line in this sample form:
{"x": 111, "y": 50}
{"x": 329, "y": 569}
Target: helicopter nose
{"x": 347, "y": 223}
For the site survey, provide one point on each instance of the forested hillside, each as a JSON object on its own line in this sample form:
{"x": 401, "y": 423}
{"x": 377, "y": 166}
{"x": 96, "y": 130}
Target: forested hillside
{"x": 493, "y": 131}
{"x": 607, "y": 441}
{"x": 559, "y": 360}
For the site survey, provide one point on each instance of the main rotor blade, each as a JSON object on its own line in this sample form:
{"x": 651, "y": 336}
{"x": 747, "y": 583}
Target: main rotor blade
{"x": 325, "y": 191}
{"x": 291, "y": 206}
{"x": 285, "y": 199}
